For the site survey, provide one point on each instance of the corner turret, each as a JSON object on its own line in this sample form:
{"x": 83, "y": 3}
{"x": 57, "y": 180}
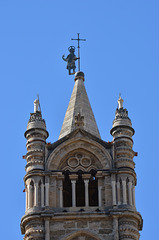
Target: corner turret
{"x": 36, "y": 135}
{"x": 122, "y": 133}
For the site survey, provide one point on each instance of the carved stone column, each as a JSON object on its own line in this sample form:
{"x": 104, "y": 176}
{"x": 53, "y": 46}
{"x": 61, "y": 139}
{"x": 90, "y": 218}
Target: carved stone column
{"x": 73, "y": 179}
{"x": 26, "y": 197}
{"x": 130, "y": 192}
{"x": 61, "y": 197}
{"x": 99, "y": 196}
{"x": 86, "y": 178}
{"x": 118, "y": 192}
{"x": 46, "y": 194}
{"x": 86, "y": 192}
{"x": 113, "y": 180}
{"x": 42, "y": 195}
{"x": 73, "y": 193}
{"x": 47, "y": 230}
{"x": 114, "y": 192}
{"x": 60, "y": 179}
{"x": 99, "y": 176}
{"x": 134, "y": 196}
{"x": 115, "y": 228}
{"x": 124, "y": 192}
{"x": 29, "y": 187}
{"x": 36, "y": 194}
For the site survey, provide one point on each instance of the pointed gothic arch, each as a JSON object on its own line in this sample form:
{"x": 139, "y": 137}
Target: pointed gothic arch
{"x": 97, "y": 150}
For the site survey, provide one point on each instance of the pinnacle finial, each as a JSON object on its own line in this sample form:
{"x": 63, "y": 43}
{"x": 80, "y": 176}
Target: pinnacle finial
{"x": 79, "y": 75}
{"x": 120, "y": 101}
{"x": 37, "y": 105}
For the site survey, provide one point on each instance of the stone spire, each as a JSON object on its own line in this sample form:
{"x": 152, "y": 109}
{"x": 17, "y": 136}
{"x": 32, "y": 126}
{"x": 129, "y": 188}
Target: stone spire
{"x": 79, "y": 108}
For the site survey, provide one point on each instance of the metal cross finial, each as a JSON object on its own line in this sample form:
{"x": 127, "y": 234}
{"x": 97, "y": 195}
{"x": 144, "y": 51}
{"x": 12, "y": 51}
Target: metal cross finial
{"x": 78, "y": 39}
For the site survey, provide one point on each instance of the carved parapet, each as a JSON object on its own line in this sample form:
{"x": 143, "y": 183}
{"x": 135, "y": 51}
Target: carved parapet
{"x": 34, "y": 230}
{"x": 129, "y": 228}
{"x": 36, "y": 135}
{"x": 124, "y": 162}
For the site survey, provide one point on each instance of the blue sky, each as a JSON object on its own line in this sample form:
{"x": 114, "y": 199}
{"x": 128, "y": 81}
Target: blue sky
{"x": 121, "y": 55}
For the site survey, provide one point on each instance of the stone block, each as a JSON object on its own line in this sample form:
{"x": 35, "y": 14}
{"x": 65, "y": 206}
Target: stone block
{"x": 105, "y": 231}
{"x": 69, "y": 224}
{"x": 82, "y": 224}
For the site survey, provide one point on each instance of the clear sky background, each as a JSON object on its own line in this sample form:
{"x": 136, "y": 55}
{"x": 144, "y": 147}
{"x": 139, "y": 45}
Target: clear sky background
{"x": 121, "y": 55}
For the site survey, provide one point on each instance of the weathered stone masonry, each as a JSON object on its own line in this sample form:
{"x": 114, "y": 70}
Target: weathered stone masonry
{"x": 80, "y": 187}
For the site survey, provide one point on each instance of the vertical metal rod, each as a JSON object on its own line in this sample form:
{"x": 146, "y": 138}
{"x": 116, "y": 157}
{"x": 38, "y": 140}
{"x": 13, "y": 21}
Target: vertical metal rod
{"x": 78, "y": 39}
{"x": 78, "y": 59}
{"x": 78, "y": 53}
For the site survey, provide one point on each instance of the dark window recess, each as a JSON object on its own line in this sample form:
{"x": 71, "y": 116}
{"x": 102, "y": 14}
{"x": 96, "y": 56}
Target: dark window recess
{"x": 80, "y": 192}
{"x": 67, "y": 192}
{"x": 93, "y": 191}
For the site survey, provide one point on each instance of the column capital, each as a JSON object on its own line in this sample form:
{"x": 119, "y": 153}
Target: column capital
{"x": 29, "y": 187}
{"x": 99, "y": 174}
{"x": 123, "y": 181}
{"x": 86, "y": 181}
{"x": 130, "y": 183}
{"x": 60, "y": 176}
{"x": 36, "y": 184}
{"x": 73, "y": 181}
{"x": 113, "y": 177}
{"x": 73, "y": 177}
{"x": 86, "y": 176}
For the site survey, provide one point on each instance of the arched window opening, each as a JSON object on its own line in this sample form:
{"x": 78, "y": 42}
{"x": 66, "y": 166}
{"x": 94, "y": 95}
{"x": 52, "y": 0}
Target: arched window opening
{"x": 80, "y": 192}
{"x": 93, "y": 191}
{"x": 67, "y": 191}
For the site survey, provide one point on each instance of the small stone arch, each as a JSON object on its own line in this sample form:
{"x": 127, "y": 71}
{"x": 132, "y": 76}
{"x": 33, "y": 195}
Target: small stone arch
{"x": 70, "y": 145}
{"x": 30, "y": 181}
{"x": 82, "y": 233}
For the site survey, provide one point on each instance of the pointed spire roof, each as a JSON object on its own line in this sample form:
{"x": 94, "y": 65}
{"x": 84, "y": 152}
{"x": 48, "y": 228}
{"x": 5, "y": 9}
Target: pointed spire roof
{"x": 79, "y": 112}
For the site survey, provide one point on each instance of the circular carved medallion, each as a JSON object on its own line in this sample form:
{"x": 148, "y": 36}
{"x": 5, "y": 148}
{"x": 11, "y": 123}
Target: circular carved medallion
{"x": 85, "y": 162}
{"x": 73, "y": 162}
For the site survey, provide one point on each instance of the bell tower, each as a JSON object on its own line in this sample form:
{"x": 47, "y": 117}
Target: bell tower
{"x": 80, "y": 187}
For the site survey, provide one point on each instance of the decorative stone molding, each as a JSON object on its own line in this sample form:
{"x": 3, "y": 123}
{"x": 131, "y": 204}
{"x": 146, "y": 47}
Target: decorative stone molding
{"x": 93, "y": 236}
{"x": 102, "y": 156}
{"x": 79, "y": 120}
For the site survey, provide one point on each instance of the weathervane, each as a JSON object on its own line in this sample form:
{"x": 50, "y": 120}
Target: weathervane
{"x": 71, "y": 58}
